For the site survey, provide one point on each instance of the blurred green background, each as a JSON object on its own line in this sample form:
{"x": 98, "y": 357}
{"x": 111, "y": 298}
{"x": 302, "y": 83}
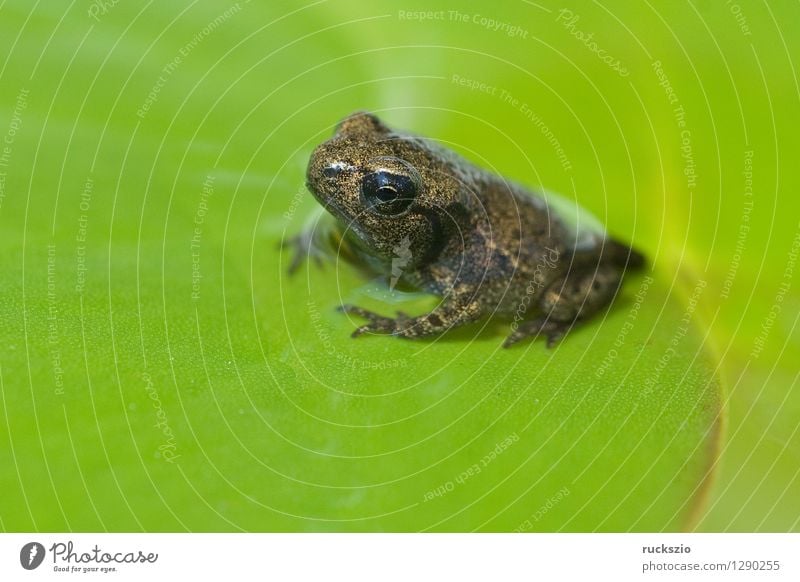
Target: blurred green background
{"x": 160, "y": 372}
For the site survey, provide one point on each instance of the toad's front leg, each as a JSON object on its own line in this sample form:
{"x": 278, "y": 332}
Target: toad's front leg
{"x": 451, "y": 313}
{"x": 321, "y": 240}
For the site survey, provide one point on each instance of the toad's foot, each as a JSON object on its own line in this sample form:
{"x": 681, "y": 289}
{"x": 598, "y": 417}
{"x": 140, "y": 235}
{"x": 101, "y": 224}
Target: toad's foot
{"x": 568, "y": 300}
{"x": 552, "y": 330}
{"x": 446, "y": 316}
{"x": 377, "y": 323}
{"x": 302, "y": 247}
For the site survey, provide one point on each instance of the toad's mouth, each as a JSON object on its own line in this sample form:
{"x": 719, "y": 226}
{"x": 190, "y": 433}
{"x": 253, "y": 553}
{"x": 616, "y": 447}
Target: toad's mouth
{"x": 349, "y": 225}
{"x": 327, "y": 201}
{"x": 315, "y": 193}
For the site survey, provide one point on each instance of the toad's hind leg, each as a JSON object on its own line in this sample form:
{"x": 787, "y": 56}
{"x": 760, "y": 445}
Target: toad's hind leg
{"x": 570, "y": 299}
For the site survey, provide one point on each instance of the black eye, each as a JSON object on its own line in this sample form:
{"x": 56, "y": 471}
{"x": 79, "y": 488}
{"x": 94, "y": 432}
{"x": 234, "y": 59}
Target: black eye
{"x": 387, "y": 193}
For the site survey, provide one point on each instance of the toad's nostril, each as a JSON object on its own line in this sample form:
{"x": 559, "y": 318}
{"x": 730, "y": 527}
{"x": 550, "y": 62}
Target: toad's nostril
{"x": 333, "y": 170}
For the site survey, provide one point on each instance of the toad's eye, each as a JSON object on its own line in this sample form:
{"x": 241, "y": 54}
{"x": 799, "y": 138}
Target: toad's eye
{"x": 387, "y": 193}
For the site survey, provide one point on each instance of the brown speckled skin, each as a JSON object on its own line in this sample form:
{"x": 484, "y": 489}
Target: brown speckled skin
{"x": 484, "y": 244}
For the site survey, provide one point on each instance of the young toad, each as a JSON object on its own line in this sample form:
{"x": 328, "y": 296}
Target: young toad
{"x": 424, "y": 216}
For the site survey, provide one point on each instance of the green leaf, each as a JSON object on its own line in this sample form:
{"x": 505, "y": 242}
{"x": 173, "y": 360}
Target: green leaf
{"x": 161, "y": 371}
